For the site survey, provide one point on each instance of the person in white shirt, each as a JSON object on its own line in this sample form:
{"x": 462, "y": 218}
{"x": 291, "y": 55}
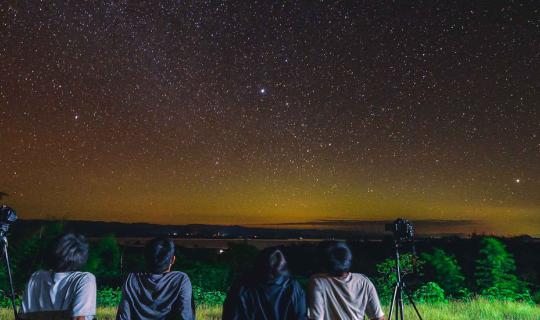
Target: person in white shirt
{"x": 339, "y": 293}
{"x": 63, "y": 292}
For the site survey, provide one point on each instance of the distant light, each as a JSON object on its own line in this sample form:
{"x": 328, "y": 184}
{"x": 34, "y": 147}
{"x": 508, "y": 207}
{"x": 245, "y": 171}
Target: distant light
{"x": 76, "y": 117}
{"x": 221, "y": 251}
{"x": 262, "y": 91}
{"x": 518, "y": 180}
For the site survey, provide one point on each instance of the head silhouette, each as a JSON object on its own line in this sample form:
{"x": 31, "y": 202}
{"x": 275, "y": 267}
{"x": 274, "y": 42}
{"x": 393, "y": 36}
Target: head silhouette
{"x": 336, "y": 257}
{"x": 68, "y": 252}
{"x": 159, "y": 254}
{"x": 270, "y": 264}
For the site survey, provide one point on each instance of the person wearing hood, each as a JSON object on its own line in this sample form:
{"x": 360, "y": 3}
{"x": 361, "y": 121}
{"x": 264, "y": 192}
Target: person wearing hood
{"x": 159, "y": 293}
{"x": 268, "y": 293}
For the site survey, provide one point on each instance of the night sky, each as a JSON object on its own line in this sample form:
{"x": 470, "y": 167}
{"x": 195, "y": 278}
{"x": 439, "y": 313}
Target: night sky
{"x": 308, "y": 113}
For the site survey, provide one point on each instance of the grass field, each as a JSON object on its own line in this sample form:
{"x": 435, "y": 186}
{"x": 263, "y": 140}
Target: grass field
{"x": 476, "y": 309}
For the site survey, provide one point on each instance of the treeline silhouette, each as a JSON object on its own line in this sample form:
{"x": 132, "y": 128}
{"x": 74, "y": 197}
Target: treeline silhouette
{"x": 501, "y": 268}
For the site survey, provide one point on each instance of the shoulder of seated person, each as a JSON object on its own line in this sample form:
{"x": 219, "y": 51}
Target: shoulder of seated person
{"x": 294, "y": 283}
{"x": 81, "y": 276}
{"x": 48, "y": 273}
{"x": 82, "y": 273}
{"x": 321, "y": 276}
{"x": 179, "y": 274}
{"x": 40, "y": 272}
{"x": 318, "y": 276}
{"x": 176, "y": 272}
{"x": 291, "y": 279}
{"x": 172, "y": 274}
{"x": 88, "y": 276}
{"x": 179, "y": 277}
{"x": 361, "y": 276}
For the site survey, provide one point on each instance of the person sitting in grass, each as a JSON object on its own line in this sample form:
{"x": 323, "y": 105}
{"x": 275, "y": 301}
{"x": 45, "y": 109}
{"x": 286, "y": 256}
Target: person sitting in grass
{"x": 63, "y": 292}
{"x": 339, "y": 293}
{"x": 159, "y": 293}
{"x": 268, "y": 293}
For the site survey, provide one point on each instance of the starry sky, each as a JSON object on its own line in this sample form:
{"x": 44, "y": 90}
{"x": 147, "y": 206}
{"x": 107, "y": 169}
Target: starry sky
{"x": 286, "y": 113}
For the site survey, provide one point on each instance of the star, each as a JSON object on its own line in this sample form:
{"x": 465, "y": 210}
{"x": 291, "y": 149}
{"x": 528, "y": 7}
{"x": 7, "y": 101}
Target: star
{"x": 517, "y": 180}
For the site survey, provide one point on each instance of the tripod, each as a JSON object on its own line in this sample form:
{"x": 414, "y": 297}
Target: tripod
{"x": 400, "y": 290}
{"x": 4, "y": 244}
{"x": 7, "y": 217}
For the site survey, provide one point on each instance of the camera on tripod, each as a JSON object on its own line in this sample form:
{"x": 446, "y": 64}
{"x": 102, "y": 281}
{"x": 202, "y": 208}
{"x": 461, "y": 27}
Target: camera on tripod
{"x": 402, "y": 229}
{"x": 7, "y": 217}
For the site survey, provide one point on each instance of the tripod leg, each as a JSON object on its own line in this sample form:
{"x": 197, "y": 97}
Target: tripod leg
{"x": 413, "y": 304}
{"x": 10, "y": 278}
{"x": 392, "y": 302}
{"x": 400, "y": 303}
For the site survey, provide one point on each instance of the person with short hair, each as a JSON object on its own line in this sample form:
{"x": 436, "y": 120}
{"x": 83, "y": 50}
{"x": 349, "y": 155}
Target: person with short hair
{"x": 159, "y": 293}
{"x": 63, "y": 291}
{"x": 339, "y": 293}
{"x": 268, "y": 293}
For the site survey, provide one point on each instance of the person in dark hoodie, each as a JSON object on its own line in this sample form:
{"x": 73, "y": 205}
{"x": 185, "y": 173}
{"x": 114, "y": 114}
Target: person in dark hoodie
{"x": 268, "y": 293}
{"x": 159, "y": 293}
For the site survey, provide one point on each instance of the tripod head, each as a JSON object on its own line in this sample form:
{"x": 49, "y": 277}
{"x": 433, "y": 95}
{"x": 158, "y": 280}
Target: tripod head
{"x": 402, "y": 229}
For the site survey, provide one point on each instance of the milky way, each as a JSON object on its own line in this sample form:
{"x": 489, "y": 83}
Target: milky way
{"x": 267, "y": 112}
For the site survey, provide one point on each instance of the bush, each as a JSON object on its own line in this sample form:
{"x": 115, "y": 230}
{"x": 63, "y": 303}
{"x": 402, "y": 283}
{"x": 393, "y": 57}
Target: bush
{"x": 208, "y": 298}
{"x": 536, "y": 297}
{"x": 506, "y": 294}
{"x": 430, "y": 292}
{"x": 108, "y": 297}
{"x": 5, "y": 302}
{"x": 208, "y": 277}
{"x": 464, "y": 294}
{"x": 387, "y": 273}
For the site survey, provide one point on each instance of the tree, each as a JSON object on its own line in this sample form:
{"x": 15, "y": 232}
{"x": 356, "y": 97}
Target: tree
{"x": 495, "y": 269}
{"x": 447, "y": 272}
{"x": 240, "y": 258}
{"x": 387, "y": 278}
{"x": 104, "y": 259}
{"x": 28, "y": 252}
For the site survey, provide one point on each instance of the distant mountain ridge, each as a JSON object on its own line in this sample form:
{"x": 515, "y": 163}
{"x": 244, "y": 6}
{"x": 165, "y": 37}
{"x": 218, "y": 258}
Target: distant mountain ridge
{"x": 121, "y": 229}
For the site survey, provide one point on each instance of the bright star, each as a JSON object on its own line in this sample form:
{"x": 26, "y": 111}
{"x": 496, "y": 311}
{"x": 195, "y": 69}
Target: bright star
{"x": 518, "y": 180}
{"x": 262, "y": 91}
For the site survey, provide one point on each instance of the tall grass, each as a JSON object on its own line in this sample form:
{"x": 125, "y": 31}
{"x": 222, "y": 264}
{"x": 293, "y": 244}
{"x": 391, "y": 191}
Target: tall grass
{"x": 456, "y": 310}
{"x": 477, "y": 309}
{"x": 203, "y": 313}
